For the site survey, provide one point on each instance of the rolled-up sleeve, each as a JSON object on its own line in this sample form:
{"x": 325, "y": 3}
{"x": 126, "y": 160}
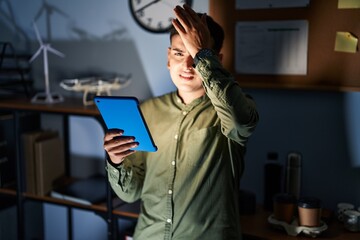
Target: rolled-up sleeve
{"x": 236, "y": 110}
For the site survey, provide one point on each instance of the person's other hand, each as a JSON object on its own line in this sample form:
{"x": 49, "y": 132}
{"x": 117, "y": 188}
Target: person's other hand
{"x": 118, "y": 146}
{"x": 192, "y": 29}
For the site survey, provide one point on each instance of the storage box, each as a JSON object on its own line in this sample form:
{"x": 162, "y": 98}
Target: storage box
{"x": 44, "y": 160}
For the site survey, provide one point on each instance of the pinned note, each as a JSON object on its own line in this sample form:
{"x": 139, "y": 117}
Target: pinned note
{"x": 349, "y": 4}
{"x": 345, "y": 42}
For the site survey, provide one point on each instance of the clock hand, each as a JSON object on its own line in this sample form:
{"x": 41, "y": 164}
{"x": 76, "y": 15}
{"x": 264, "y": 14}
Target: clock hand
{"x": 147, "y": 5}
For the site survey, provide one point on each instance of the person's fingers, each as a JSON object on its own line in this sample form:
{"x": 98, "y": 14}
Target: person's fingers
{"x": 179, "y": 28}
{"x": 117, "y": 153}
{"x": 119, "y": 148}
{"x": 118, "y": 158}
{"x": 117, "y": 141}
{"x": 182, "y": 17}
{"x": 193, "y": 17}
{"x": 111, "y": 133}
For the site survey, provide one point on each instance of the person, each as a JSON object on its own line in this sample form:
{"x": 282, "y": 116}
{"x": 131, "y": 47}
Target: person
{"x": 188, "y": 188}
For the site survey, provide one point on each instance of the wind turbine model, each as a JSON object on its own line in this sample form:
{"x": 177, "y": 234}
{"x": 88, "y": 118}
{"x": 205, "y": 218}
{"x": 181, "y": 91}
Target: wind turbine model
{"x": 47, "y": 96}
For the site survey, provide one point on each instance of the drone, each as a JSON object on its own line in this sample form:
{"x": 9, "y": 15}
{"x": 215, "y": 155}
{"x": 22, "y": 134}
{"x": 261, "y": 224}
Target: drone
{"x": 95, "y": 86}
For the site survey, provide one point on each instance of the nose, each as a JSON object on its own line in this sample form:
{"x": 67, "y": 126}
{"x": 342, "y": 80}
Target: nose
{"x": 189, "y": 62}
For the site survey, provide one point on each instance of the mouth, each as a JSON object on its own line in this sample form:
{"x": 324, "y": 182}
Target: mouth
{"x": 187, "y": 77}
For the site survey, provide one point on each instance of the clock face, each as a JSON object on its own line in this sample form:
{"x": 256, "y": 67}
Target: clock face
{"x": 155, "y": 15}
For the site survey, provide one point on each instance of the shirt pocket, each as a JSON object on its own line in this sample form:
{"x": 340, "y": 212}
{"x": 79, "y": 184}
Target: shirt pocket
{"x": 202, "y": 144}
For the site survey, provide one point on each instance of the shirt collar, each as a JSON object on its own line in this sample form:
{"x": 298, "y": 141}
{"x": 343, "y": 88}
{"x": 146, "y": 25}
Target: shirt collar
{"x": 191, "y": 105}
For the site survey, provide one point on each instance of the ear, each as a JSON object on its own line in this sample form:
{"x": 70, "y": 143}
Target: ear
{"x": 168, "y": 57}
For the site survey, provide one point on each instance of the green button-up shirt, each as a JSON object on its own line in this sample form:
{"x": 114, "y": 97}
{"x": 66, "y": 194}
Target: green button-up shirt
{"x": 189, "y": 187}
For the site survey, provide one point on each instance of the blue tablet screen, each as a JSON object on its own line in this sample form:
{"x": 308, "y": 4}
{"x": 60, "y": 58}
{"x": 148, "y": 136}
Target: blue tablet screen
{"x": 124, "y": 113}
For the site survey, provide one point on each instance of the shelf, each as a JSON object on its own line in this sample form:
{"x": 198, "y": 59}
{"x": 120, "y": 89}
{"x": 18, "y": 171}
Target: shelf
{"x": 122, "y": 209}
{"x": 128, "y": 210}
{"x": 8, "y": 191}
{"x": 70, "y": 106}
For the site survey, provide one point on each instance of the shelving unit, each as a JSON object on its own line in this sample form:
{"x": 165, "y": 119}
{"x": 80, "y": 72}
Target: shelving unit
{"x": 67, "y": 108}
{"x": 14, "y": 70}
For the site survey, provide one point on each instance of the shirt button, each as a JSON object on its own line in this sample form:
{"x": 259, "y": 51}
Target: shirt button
{"x": 114, "y": 170}
{"x": 170, "y": 192}
{"x": 184, "y": 113}
{"x": 176, "y": 136}
{"x": 178, "y": 100}
{"x": 173, "y": 163}
{"x": 168, "y": 220}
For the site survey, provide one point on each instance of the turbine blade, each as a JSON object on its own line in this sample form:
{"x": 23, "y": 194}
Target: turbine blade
{"x": 54, "y": 51}
{"x": 36, "y": 54}
{"x": 37, "y": 34}
{"x": 38, "y": 14}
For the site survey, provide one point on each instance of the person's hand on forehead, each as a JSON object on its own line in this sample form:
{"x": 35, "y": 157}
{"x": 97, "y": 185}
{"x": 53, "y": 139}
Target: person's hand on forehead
{"x": 192, "y": 29}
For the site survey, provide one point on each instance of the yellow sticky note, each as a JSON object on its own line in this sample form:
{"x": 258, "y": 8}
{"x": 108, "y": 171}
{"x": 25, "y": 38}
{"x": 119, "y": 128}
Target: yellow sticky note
{"x": 349, "y": 4}
{"x": 345, "y": 42}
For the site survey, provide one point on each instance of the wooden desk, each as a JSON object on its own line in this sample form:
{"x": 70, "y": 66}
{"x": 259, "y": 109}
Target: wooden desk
{"x": 256, "y": 227}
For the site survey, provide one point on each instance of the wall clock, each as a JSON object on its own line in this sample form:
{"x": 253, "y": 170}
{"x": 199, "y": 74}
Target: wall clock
{"x": 155, "y": 15}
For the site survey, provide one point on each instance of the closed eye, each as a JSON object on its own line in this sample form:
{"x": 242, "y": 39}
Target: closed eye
{"x": 178, "y": 52}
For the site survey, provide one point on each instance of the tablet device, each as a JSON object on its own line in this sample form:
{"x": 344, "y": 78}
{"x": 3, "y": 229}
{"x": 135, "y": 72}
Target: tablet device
{"x": 124, "y": 113}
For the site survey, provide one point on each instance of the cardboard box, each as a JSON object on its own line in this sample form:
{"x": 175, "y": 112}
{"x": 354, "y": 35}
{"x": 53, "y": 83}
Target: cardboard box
{"x": 44, "y": 160}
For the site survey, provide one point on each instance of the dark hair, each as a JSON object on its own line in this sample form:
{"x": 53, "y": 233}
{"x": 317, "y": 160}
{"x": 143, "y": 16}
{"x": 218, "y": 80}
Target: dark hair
{"x": 216, "y": 32}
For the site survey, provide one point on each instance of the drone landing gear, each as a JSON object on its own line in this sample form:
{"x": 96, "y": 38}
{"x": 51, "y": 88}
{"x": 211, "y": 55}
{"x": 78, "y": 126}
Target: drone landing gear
{"x": 45, "y": 98}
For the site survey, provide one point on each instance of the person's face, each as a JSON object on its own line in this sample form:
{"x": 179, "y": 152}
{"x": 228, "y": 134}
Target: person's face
{"x": 183, "y": 75}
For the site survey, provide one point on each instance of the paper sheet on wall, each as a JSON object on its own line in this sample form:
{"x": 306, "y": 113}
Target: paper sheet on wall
{"x": 259, "y": 4}
{"x": 271, "y": 47}
{"x": 345, "y": 4}
{"x": 345, "y": 42}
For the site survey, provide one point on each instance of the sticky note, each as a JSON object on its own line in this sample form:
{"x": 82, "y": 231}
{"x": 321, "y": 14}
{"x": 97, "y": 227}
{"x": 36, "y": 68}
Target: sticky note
{"x": 349, "y": 4}
{"x": 345, "y": 42}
